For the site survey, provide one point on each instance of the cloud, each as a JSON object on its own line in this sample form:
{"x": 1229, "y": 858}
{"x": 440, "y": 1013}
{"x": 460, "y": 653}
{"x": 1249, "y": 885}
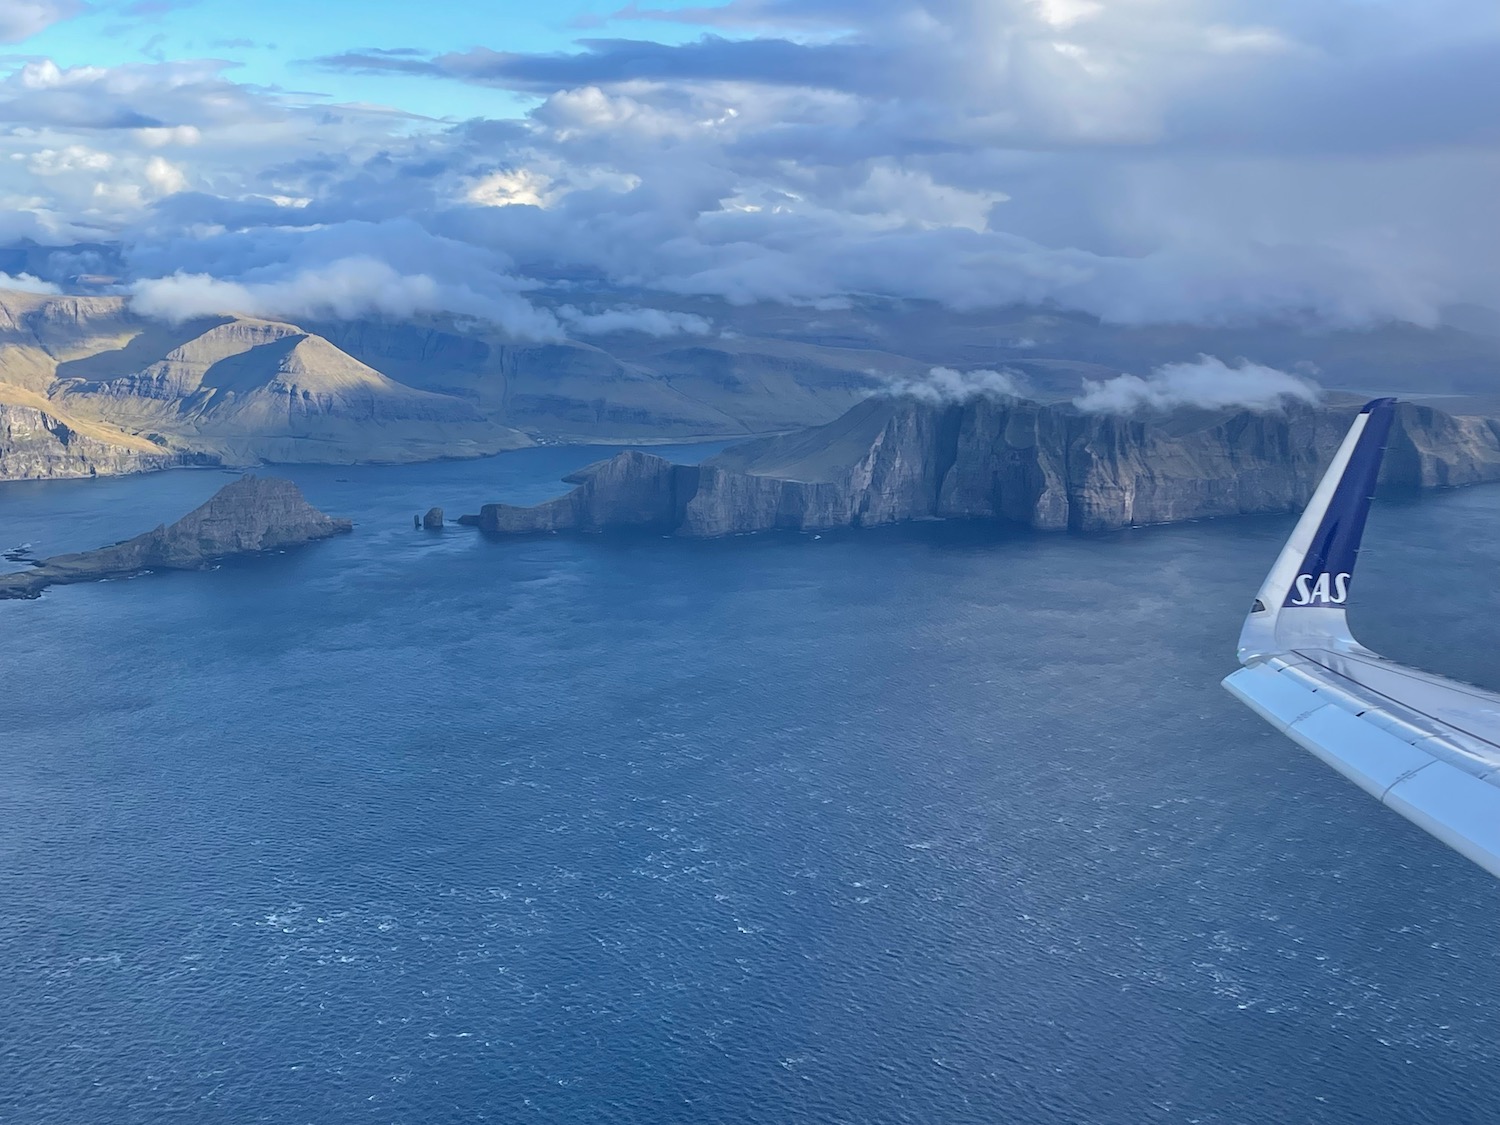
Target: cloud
{"x": 1145, "y": 161}
{"x": 710, "y": 59}
{"x": 1209, "y": 383}
{"x": 943, "y": 385}
{"x": 25, "y": 283}
{"x": 346, "y": 288}
{"x": 628, "y": 318}
{"x": 154, "y": 95}
{"x": 164, "y": 176}
{"x": 201, "y": 254}
{"x": 21, "y": 19}
{"x": 148, "y": 9}
{"x": 163, "y": 136}
{"x": 740, "y": 14}
{"x": 69, "y": 160}
{"x": 511, "y": 187}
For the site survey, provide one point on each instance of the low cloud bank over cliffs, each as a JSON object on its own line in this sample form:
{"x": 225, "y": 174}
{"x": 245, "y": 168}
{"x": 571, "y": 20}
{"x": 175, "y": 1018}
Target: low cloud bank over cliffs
{"x": 1208, "y": 383}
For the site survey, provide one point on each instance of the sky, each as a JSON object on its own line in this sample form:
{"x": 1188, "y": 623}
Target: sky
{"x": 1144, "y": 161}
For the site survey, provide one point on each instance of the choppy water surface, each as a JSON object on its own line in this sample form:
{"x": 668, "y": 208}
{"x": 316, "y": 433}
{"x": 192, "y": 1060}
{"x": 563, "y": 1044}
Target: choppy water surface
{"x": 930, "y": 824}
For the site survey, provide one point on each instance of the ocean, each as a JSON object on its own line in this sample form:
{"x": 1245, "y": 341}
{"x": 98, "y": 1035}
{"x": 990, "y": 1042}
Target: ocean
{"x": 942, "y": 823}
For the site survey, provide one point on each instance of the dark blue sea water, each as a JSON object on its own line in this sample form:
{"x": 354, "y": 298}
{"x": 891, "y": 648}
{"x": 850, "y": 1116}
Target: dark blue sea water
{"x": 929, "y": 824}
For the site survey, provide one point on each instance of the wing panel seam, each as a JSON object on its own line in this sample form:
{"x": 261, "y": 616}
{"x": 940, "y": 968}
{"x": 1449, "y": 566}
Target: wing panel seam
{"x": 1407, "y": 776}
{"x": 1448, "y": 723}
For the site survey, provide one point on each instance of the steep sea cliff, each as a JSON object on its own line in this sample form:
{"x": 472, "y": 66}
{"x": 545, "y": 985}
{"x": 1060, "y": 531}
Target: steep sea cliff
{"x": 38, "y": 444}
{"x": 1049, "y": 467}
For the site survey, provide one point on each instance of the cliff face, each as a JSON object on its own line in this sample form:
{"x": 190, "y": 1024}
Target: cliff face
{"x": 1048, "y": 467}
{"x": 36, "y": 444}
{"x": 629, "y": 490}
{"x": 250, "y": 514}
{"x": 1054, "y": 468}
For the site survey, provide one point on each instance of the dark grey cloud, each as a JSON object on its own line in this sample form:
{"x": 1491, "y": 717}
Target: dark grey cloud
{"x": 779, "y": 62}
{"x": 376, "y": 60}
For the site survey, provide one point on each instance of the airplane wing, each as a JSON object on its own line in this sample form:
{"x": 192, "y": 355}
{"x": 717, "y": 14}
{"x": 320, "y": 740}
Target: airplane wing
{"x": 1425, "y": 746}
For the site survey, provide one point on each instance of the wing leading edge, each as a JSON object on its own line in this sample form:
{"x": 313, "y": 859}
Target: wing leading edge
{"x": 1425, "y": 746}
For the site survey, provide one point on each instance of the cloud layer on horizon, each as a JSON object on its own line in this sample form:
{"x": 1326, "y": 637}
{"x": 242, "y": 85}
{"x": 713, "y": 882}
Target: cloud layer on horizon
{"x": 1140, "y": 160}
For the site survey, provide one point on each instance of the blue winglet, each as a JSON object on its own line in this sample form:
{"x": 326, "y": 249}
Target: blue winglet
{"x": 1323, "y": 578}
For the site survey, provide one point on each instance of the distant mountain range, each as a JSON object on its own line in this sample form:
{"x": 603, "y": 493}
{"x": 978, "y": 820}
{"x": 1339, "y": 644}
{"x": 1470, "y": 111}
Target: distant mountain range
{"x": 86, "y": 387}
{"x": 89, "y": 387}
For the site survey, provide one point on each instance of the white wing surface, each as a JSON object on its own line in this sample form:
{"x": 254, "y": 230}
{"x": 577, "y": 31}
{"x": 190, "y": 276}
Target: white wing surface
{"x": 1425, "y": 746}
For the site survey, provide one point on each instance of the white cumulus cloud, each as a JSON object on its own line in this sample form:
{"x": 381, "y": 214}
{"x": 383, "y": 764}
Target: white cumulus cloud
{"x": 947, "y": 385}
{"x": 25, "y": 283}
{"x": 512, "y": 187}
{"x": 164, "y": 177}
{"x": 1208, "y": 382}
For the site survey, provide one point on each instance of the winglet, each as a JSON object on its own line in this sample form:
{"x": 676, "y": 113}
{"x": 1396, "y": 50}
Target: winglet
{"x": 1301, "y": 602}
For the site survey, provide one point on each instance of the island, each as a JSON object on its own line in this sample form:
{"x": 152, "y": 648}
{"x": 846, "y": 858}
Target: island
{"x": 246, "y": 516}
{"x": 1051, "y": 467}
